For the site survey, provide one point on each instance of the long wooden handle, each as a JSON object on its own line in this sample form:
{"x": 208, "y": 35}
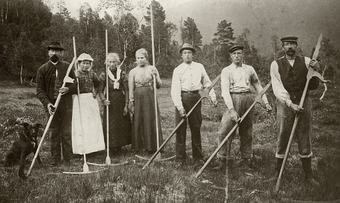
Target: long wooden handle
{"x": 257, "y": 99}
{"x": 78, "y": 94}
{"x": 292, "y": 133}
{"x": 156, "y": 110}
{"x": 180, "y": 123}
{"x": 154, "y": 77}
{"x": 278, "y": 182}
{"x": 311, "y": 73}
{"x": 56, "y": 104}
{"x": 172, "y": 134}
{"x": 107, "y": 160}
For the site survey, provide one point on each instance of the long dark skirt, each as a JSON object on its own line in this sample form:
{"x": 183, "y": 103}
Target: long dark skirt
{"x": 144, "y": 124}
{"x": 120, "y": 126}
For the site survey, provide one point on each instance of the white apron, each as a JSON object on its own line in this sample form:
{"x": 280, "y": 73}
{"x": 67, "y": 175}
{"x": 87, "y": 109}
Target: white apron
{"x": 87, "y": 131}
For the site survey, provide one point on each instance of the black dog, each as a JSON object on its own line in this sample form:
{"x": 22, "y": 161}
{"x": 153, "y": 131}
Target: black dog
{"x": 25, "y": 145}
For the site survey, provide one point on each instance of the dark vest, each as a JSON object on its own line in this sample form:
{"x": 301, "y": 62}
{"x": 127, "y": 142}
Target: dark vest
{"x": 293, "y": 78}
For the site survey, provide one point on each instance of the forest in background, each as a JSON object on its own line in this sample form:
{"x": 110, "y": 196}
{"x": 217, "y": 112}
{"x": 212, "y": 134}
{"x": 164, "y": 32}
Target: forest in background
{"x": 27, "y": 26}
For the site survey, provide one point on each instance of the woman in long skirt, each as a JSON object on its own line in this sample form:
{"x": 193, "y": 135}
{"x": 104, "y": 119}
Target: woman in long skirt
{"x": 119, "y": 119}
{"x": 142, "y": 104}
{"x": 87, "y": 135}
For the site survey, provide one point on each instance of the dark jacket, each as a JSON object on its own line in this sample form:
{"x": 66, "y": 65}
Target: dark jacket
{"x": 46, "y": 78}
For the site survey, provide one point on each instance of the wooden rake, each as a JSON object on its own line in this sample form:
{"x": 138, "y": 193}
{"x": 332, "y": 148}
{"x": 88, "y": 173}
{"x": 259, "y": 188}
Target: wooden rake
{"x": 158, "y": 157}
{"x": 86, "y": 169}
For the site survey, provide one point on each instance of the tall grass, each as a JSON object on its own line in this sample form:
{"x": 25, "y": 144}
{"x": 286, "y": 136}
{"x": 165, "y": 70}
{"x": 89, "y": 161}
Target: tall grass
{"x": 170, "y": 181}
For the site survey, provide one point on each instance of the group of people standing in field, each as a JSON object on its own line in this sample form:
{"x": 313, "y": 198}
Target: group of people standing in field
{"x": 131, "y": 103}
{"x": 77, "y": 125}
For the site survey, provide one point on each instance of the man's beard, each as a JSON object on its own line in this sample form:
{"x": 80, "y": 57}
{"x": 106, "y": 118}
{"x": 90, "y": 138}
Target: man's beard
{"x": 54, "y": 58}
{"x": 291, "y": 52}
{"x": 85, "y": 70}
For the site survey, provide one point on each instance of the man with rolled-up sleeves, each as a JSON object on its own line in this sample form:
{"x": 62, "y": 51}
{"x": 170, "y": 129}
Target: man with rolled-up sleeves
{"x": 288, "y": 77}
{"x": 188, "y": 79}
{"x": 237, "y": 80}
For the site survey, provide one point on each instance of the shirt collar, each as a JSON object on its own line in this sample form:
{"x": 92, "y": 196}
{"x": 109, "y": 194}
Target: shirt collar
{"x": 234, "y": 65}
{"x": 293, "y": 59}
{"x": 54, "y": 63}
{"x": 188, "y": 64}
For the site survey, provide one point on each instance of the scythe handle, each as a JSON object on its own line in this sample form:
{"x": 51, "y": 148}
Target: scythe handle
{"x": 257, "y": 99}
{"x": 56, "y": 104}
{"x": 181, "y": 122}
{"x": 311, "y": 73}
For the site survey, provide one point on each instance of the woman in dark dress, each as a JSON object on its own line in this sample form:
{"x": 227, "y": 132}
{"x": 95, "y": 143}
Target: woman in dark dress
{"x": 142, "y": 104}
{"x": 119, "y": 119}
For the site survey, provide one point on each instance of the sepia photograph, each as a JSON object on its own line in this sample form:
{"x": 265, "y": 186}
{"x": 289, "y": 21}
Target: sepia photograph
{"x": 170, "y": 101}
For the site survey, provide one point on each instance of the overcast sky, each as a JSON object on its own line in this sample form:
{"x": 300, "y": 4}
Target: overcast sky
{"x": 264, "y": 18}
{"x": 74, "y": 5}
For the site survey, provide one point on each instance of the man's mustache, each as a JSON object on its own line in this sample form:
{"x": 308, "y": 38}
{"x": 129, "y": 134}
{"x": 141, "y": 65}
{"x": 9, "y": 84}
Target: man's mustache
{"x": 291, "y": 50}
{"x": 54, "y": 58}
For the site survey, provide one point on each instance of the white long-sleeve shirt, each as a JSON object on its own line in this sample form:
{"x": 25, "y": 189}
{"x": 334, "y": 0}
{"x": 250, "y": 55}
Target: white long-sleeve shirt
{"x": 189, "y": 77}
{"x": 279, "y": 91}
{"x": 237, "y": 79}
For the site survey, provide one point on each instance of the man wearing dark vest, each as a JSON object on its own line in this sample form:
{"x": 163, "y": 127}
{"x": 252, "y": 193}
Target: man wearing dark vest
{"x": 288, "y": 77}
{"x": 50, "y": 78}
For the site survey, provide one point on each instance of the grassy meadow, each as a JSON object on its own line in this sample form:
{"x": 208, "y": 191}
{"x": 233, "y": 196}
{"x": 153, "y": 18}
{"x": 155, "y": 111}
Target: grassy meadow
{"x": 170, "y": 181}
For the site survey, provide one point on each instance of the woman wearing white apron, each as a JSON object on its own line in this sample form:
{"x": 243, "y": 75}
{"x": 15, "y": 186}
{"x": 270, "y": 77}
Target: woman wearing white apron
{"x": 87, "y": 131}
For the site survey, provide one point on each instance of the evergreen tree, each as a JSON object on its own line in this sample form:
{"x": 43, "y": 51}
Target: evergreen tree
{"x": 223, "y": 40}
{"x": 22, "y": 25}
{"x": 165, "y": 50}
{"x": 191, "y": 34}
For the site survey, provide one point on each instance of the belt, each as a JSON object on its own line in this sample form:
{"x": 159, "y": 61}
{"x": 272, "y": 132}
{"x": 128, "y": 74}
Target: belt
{"x": 190, "y": 92}
{"x": 149, "y": 84}
{"x": 240, "y": 92}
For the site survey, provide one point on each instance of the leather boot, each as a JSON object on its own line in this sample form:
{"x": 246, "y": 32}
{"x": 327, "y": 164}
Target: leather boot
{"x": 307, "y": 168}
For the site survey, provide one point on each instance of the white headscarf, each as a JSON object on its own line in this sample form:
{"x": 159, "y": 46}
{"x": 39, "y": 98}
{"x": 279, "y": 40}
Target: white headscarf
{"x": 116, "y": 79}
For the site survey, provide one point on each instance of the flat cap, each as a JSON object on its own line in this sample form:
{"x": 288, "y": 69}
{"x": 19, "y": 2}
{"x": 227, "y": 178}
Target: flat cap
{"x": 289, "y": 39}
{"x": 235, "y": 47}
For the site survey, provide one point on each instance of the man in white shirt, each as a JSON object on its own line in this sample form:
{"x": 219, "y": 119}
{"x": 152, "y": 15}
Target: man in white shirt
{"x": 288, "y": 77}
{"x": 237, "y": 80}
{"x": 187, "y": 80}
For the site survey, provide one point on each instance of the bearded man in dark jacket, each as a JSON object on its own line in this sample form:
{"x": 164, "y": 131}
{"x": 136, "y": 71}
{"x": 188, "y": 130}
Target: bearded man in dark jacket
{"x": 50, "y": 77}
